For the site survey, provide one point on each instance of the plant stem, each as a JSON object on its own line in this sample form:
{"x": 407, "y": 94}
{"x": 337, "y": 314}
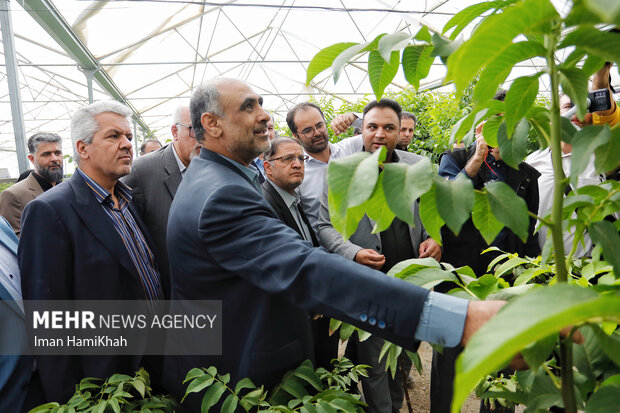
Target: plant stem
{"x": 566, "y": 355}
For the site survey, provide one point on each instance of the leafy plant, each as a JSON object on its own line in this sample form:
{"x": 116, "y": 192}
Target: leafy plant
{"x": 505, "y": 33}
{"x": 301, "y": 390}
{"x": 119, "y": 393}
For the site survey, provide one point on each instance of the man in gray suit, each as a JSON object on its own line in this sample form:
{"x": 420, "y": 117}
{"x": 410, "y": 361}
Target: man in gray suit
{"x": 46, "y": 157}
{"x": 381, "y": 126}
{"x": 154, "y": 180}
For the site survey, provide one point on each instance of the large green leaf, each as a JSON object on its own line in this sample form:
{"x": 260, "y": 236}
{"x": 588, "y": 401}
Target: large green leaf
{"x": 380, "y": 72}
{"x": 498, "y": 69}
{"x": 212, "y": 396}
{"x": 455, "y": 201}
{"x": 490, "y": 129}
{"x": 575, "y": 84}
{"x": 430, "y": 277}
{"x": 608, "y": 154}
{"x": 509, "y": 208}
{"x": 377, "y": 208}
{"x": 484, "y": 220}
{"x": 404, "y": 184}
{"x": 417, "y": 62}
{"x": 443, "y": 47}
{"x": 460, "y": 20}
{"x": 607, "y": 10}
{"x": 343, "y": 58}
{"x": 429, "y": 216}
{"x": 584, "y": 143}
{"x": 605, "y": 234}
{"x": 609, "y": 343}
{"x": 603, "y": 399}
{"x": 537, "y": 353}
{"x": 393, "y": 42}
{"x": 494, "y": 35}
{"x": 513, "y": 149}
{"x": 522, "y": 321}
{"x": 409, "y": 267}
{"x": 519, "y": 99}
{"x": 324, "y": 59}
{"x": 595, "y": 42}
{"x": 480, "y": 113}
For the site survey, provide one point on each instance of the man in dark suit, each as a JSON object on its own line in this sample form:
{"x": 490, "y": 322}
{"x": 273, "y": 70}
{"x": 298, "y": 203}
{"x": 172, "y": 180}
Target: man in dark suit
{"x": 381, "y": 251}
{"x": 46, "y": 157}
{"x": 154, "y": 180}
{"x": 84, "y": 240}
{"x": 15, "y": 368}
{"x": 226, "y": 243}
{"x": 284, "y": 167}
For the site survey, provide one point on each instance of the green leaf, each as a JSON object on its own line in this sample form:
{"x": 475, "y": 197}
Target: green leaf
{"x": 343, "y": 58}
{"x": 607, "y": 10}
{"x": 455, "y": 201}
{"x": 605, "y": 234}
{"x": 198, "y": 384}
{"x": 429, "y": 216}
{"x": 592, "y": 65}
{"x": 609, "y": 343}
{"x": 115, "y": 406}
{"x": 230, "y": 404}
{"x": 44, "y": 408}
{"x": 211, "y": 396}
{"x": 192, "y": 374}
{"x": 423, "y": 35}
{"x": 430, "y": 277}
{"x": 584, "y": 143}
{"x": 522, "y": 321}
{"x": 404, "y": 184}
{"x": 415, "y": 359}
{"x": 607, "y": 154}
{"x": 139, "y": 386}
{"x": 491, "y": 128}
{"x": 468, "y": 14}
{"x": 417, "y": 62}
{"x": 408, "y": 267}
{"x": 484, "y": 220}
{"x": 101, "y": 406}
{"x": 380, "y": 72}
{"x": 309, "y": 375}
{"x": 519, "y": 98}
{"x": 499, "y": 68}
{"x": 539, "y": 119}
{"x": 444, "y": 47}
{"x": 345, "y": 331}
{"x": 324, "y": 59}
{"x": 294, "y": 388}
{"x": 513, "y": 149}
{"x": 378, "y": 209}
{"x": 603, "y": 399}
{"x": 245, "y": 383}
{"x": 393, "y": 42}
{"x": 575, "y": 84}
{"x": 509, "y": 265}
{"x": 483, "y": 286}
{"x": 538, "y": 352}
{"x": 596, "y": 42}
{"x": 494, "y": 35}
{"x": 509, "y": 208}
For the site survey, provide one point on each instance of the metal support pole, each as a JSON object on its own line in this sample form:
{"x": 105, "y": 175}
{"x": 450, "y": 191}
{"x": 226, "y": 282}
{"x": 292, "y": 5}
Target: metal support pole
{"x": 12, "y": 78}
{"x": 89, "y": 73}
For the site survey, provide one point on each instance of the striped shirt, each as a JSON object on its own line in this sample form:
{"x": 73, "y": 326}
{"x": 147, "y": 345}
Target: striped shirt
{"x": 133, "y": 239}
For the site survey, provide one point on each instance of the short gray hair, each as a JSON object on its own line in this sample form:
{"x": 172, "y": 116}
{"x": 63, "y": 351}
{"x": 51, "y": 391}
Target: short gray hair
{"x": 83, "y": 123}
{"x": 275, "y": 144}
{"x": 206, "y": 98}
{"x": 35, "y": 140}
{"x": 176, "y": 115}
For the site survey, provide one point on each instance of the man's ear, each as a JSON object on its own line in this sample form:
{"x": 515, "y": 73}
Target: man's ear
{"x": 211, "y": 124}
{"x": 268, "y": 170}
{"x": 31, "y": 157}
{"x": 175, "y": 133}
{"x": 80, "y": 147}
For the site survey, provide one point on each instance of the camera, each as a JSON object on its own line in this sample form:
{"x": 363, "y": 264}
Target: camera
{"x": 599, "y": 100}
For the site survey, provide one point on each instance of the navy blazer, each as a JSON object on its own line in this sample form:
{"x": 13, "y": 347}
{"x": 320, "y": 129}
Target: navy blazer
{"x": 69, "y": 249}
{"x": 15, "y": 369}
{"x": 225, "y": 242}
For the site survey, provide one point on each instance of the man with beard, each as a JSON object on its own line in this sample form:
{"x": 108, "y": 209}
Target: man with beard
{"x": 307, "y": 124}
{"x": 46, "y": 156}
{"x": 408, "y": 122}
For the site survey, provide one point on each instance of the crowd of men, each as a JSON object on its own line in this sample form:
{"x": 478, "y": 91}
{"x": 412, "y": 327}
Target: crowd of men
{"x": 229, "y": 211}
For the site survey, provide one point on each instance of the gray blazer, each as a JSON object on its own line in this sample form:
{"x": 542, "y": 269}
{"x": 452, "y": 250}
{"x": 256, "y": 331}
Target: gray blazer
{"x": 14, "y": 199}
{"x": 363, "y": 238}
{"x": 154, "y": 180}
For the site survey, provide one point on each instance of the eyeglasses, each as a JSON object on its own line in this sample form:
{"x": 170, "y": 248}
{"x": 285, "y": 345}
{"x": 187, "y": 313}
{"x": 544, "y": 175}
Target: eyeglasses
{"x": 189, "y": 128}
{"x": 287, "y": 159}
{"x": 310, "y": 130}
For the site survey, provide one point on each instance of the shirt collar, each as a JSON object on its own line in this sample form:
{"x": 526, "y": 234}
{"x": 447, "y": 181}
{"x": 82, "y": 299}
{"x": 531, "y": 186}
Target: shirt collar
{"x": 43, "y": 182}
{"x": 286, "y": 197}
{"x": 182, "y": 167}
{"x": 103, "y": 196}
{"x": 250, "y": 172}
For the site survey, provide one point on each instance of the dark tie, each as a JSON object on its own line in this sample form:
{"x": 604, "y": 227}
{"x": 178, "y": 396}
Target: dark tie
{"x": 261, "y": 178}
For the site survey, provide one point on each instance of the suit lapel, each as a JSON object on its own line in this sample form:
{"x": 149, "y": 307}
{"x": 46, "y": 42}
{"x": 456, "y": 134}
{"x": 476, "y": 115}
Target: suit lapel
{"x": 7, "y": 238}
{"x": 214, "y": 157}
{"x": 33, "y": 186}
{"x": 95, "y": 219}
{"x": 173, "y": 180}
{"x": 278, "y": 204}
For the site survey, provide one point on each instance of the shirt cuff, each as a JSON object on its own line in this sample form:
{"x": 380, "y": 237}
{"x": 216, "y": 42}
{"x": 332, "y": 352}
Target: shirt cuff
{"x": 442, "y": 320}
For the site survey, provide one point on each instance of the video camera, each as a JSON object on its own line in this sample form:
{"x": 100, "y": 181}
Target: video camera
{"x": 597, "y": 100}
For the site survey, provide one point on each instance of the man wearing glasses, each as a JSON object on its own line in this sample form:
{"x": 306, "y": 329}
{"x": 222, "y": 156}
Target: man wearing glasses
{"x": 154, "y": 180}
{"x": 307, "y": 123}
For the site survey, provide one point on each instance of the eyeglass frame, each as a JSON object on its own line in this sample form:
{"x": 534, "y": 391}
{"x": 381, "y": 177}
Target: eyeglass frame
{"x": 190, "y": 128}
{"x": 320, "y": 129}
{"x": 301, "y": 158}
